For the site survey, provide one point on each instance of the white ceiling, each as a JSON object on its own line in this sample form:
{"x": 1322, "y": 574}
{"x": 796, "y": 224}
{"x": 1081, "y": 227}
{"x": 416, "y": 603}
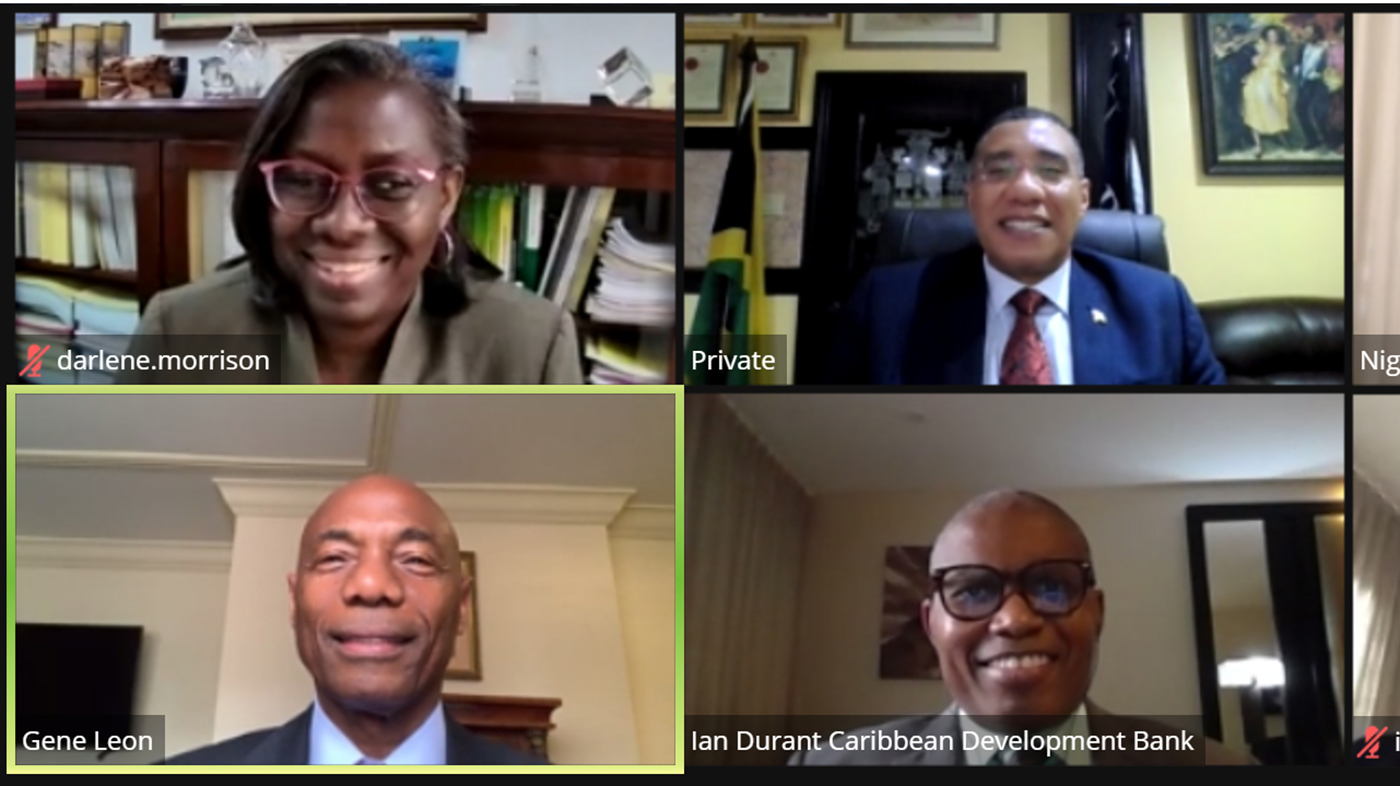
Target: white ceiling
{"x": 141, "y": 466}
{"x": 1375, "y": 426}
{"x": 890, "y": 442}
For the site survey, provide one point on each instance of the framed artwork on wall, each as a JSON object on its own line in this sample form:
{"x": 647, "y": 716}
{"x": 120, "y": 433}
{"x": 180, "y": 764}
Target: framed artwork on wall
{"x": 216, "y": 25}
{"x": 466, "y": 658}
{"x": 778, "y": 78}
{"x": 912, "y": 31}
{"x": 1272, "y": 88}
{"x": 797, "y": 20}
{"x": 734, "y": 20}
{"x": 706, "y": 70}
{"x": 905, "y": 652}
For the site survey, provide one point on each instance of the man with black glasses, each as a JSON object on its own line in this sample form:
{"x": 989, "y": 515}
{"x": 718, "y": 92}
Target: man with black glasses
{"x": 1015, "y": 615}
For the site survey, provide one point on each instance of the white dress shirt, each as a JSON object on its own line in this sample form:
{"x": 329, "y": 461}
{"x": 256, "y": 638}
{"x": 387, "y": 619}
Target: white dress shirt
{"x": 1077, "y": 723}
{"x": 1052, "y": 321}
{"x": 427, "y": 745}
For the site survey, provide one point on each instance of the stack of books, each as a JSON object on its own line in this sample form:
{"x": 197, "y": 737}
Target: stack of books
{"x": 639, "y": 357}
{"x": 65, "y": 318}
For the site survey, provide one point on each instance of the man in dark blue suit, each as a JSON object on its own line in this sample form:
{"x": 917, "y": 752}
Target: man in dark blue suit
{"x": 1024, "y": 306}
{"x": 377, "y": 601}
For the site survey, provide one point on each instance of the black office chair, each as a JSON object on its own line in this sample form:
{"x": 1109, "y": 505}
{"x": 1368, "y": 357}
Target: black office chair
{"x": 907, "y": 235}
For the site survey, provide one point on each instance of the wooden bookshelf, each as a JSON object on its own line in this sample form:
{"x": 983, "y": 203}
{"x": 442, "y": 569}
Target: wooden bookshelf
{"x": 165, "y": 141}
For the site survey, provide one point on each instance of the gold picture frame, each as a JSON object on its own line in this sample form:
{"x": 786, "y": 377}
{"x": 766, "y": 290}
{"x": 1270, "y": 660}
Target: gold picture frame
{"x": 216, "y": 26}
{"x": 921, "y": 30}
{"x": 795, "y": 20}
{"x": 466, "y": 657}
{"x": 778, "y": 85}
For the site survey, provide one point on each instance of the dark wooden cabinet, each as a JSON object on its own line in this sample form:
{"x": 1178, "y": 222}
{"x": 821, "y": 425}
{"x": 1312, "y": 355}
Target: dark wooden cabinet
{"x": 521, "y": 723}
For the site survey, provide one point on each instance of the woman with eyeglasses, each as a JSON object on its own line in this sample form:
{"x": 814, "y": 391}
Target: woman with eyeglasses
{"x": 344, "y": 203}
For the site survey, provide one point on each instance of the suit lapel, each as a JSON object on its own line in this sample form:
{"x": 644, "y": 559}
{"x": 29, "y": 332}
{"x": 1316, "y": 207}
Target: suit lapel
{"x": 1089, "y": 331}
{"x": 948, "y": 332}
{"x": 290, "y": 744}
{"x": 407, "y": 354}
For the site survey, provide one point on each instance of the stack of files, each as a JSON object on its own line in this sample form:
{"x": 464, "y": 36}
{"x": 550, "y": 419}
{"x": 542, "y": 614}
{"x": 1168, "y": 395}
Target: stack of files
{"x": 636, "y": 281}
{"x": 87, "y": 321}
{"x": 632, "y": 358}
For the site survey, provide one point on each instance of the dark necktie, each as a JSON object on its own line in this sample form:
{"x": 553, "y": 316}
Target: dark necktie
{"x": 1026, "y": 361}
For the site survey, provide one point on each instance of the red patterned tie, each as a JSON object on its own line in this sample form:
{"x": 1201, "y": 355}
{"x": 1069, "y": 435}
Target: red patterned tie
{"x": 1026, "y": 362}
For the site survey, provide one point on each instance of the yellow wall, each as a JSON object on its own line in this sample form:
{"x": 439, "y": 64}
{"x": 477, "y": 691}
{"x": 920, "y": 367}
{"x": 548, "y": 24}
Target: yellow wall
{"x": 1229, "y": 237}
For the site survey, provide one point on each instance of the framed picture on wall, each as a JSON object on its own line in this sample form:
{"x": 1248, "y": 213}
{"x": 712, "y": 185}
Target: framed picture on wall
{"x": 911, "y": 31}
{"x": 216, "y": 25}
{"x": 466, "y": 659}
{"x": 706, "y": 69}
{"x": 905, "y": 652}
{"x": 715, "y": 19}
{"x": 1273, "y": 98}
{"x": 778, "y": 78}
{"x": 797, "y": 20}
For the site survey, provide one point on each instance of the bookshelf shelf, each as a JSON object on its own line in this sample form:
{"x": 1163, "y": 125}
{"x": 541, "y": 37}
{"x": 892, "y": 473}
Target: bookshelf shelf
{"x": 115, "y": 279}
{"x": 165, "y": 142}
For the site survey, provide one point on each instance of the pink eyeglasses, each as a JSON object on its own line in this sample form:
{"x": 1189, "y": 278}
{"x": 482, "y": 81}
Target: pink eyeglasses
{"x": 304, "y": 188}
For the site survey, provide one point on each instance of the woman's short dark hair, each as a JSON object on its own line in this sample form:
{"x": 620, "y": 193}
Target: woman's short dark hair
{"x": 338, "y": 62}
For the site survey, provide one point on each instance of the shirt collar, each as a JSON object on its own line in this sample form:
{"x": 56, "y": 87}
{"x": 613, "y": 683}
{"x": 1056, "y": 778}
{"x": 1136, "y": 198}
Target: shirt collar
{"x": 1076, "y": 722}
{"x": 1001, "y": 287}
{"x": 427, "y": 745}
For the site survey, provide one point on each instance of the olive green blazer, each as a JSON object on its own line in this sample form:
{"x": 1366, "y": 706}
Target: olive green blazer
{"x": 505, "y": 335}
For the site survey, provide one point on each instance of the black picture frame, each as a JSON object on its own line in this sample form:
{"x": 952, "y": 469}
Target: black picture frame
{"x": 1312, "y": 130}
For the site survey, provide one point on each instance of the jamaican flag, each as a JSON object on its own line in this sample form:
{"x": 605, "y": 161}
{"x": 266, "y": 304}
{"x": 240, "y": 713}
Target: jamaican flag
{"x": 733, "y": 307}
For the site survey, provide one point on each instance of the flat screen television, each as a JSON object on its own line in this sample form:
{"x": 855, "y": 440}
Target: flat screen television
{"x": 76, "y": 674}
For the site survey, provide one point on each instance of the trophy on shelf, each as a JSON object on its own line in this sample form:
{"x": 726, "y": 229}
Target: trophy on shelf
{"x": 526, "y": 89}
{"x": 626, "y": 79}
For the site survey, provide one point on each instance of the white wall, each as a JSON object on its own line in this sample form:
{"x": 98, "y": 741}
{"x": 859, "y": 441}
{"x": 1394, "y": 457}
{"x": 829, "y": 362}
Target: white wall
{"x": 176, "y": 592}
{"x": 646, "y": 585}
{"x": 1147, "y": 656}
{"x": 572, "y": 46}
{"x": 549, "y": 621}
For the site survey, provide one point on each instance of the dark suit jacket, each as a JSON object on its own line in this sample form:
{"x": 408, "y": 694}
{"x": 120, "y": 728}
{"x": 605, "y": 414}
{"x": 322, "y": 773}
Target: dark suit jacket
{"x": 925, "y": 323}
{"x": 1100, "y": 722}
{"x": 291, "y": 744}
{"x": 504, "y": 336}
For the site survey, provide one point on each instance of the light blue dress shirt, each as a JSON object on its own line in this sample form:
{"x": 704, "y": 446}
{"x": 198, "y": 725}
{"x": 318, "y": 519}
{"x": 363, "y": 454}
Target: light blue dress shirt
{"x": 1052, "y": 321}
{"x": 427, "y": 745}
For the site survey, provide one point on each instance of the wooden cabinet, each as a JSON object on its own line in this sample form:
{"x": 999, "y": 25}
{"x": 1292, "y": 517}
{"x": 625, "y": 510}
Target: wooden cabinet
{"x": 521, "y": 723}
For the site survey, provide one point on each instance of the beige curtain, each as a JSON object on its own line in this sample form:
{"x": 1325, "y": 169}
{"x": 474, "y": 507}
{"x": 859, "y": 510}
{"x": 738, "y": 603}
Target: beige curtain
{"x": 744, "y": 521}
{"x": 1375, "y": 597}
{"x": 1376, "y": 122}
